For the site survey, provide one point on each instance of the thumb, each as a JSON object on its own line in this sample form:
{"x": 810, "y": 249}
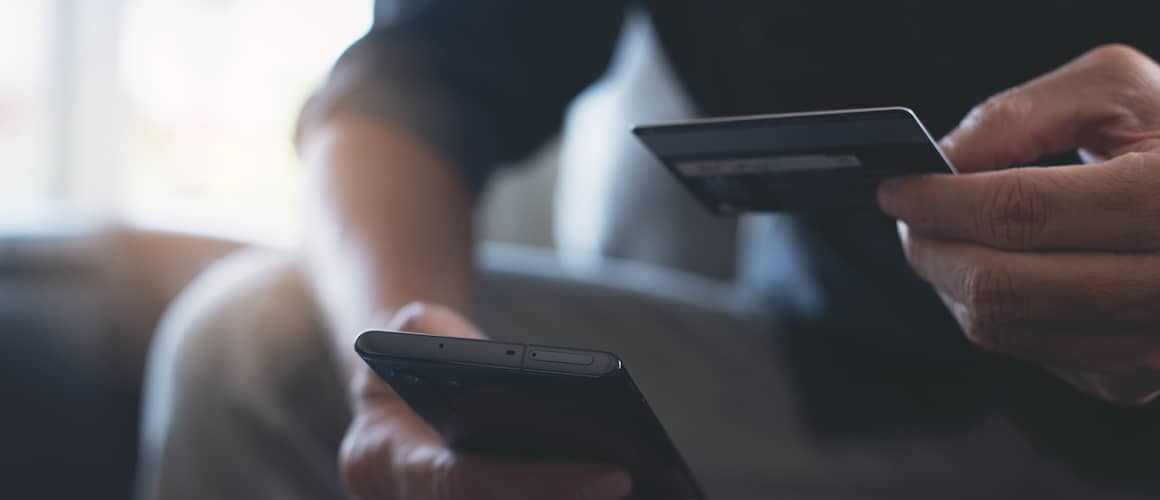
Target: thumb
{"x": 433, "y": 319}
{"x": 1093, "y": 103}
{"x": 493, "y": 479}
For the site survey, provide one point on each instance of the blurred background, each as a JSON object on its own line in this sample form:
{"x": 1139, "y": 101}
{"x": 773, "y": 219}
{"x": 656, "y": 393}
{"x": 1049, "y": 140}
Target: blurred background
{"x": 140, "y": 140}
{"x": 172, "y": 114}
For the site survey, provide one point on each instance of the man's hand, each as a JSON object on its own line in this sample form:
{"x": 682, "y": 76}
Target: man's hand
{"x": 389, "y": 452}
{"x": 1058, "y": 265}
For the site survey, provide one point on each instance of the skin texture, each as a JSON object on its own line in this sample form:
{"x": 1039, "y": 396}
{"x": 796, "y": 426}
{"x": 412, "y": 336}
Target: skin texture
{"x": 389, "y": 223}
{"x": 390, "y": 227}
{"x": 1058, "y": 266}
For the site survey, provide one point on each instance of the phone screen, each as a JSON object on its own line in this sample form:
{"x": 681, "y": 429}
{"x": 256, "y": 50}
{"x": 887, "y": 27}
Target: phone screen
{"x": 524, "y": 414}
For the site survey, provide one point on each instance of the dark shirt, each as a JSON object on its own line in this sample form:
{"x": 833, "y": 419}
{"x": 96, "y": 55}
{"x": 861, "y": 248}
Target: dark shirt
{"x": 488, "y": 81}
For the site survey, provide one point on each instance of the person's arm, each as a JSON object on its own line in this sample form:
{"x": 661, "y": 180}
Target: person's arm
{"x": 389, "y": 224}
{"x": 407, "y": 127}
{"x": 398, "y": 142}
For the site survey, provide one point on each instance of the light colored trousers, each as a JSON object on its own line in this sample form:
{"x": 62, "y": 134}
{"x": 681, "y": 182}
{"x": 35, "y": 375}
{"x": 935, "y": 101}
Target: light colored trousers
{"x": 243, "y": 399}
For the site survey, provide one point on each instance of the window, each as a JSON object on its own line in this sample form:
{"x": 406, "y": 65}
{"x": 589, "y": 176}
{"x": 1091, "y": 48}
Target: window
{"x": 172, "y": 114}
{"x": 25, "y": 178}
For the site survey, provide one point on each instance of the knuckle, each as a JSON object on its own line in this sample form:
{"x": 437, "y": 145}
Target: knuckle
{"x": 416, "y": 308}
{"x": 410, "y": 316}
{"x": 1015, "y": 215}
{"x": 997, "y": 109}
{"x": 1130, "y": 194}
{"x": 358, "y": 463}
{"x": 993, "y": 291}
{"x": 418, "y": 474}
{"x": 1117, "y": 56}
{"x": 1003, "y": 111}
{"x": 1139, "y": 168}
{"x": 991, "y": 303}
{"x": 1136, "y": 158}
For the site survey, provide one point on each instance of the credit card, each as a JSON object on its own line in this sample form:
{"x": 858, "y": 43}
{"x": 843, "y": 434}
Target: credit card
{"x": 796, "y": 161}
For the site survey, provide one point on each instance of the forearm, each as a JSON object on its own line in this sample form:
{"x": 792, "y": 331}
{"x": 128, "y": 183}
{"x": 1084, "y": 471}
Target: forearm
{"x": 389, "y": 222}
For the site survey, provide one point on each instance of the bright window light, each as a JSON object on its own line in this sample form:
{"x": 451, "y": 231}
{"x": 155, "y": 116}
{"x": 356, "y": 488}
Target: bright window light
{"x": 214, "y": 88}
{"x": 169, "y": 114}
{"x": 25, "y": 54}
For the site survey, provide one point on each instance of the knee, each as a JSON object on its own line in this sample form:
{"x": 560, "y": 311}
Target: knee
{"x": 242, "y": 329}
{"x": 240, "y": 371}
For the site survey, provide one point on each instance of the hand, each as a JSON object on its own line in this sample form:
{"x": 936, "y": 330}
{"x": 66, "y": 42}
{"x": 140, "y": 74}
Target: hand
{"x": 389, "y": 452}
{"x": 1058, "y": 265}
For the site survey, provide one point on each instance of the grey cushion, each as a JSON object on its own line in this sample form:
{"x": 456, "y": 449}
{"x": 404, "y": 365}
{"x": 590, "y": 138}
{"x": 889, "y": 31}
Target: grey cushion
{"x": 612, "y": 197}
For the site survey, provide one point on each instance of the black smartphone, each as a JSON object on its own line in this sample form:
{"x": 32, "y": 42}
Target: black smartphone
{"x": 532, "y": 402}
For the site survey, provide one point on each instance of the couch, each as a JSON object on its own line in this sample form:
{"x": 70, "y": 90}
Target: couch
{"x": 78, "y": 307}
{"x": 77, "y": 310}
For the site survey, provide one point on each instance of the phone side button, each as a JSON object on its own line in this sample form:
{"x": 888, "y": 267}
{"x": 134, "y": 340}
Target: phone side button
{"x": 562, "y": 357}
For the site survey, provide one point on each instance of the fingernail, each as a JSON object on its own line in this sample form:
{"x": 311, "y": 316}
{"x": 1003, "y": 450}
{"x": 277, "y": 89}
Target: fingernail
{"x": 612, "y": 485}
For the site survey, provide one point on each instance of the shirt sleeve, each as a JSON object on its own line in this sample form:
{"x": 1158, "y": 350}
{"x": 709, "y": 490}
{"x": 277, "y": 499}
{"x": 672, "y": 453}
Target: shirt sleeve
{"x": 484, "y": 81}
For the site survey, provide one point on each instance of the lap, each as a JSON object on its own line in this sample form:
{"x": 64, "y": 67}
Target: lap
{"x": 699, "y": 353}
{"x": 242, "y": 395}
{"x": 241, "y": 365}
{"x": 244, "y": 399}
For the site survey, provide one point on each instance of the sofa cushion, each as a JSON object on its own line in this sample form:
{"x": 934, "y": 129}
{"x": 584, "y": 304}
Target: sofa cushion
{"x": 77, "y": 311}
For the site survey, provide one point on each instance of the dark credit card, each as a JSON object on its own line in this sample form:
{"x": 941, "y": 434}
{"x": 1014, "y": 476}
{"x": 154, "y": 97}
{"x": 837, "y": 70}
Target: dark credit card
{"x": 796, "y": 161}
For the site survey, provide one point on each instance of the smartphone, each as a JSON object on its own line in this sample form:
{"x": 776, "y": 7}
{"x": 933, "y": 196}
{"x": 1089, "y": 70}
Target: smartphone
{"x": 526, "y": 401}
{"x": 794, "y": 162}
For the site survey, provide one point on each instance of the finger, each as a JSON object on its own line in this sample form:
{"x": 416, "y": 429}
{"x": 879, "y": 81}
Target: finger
{"x": 491, "y": 479}
{"x": 1078, "y": 319}
{"x": 1125, "y": 390}
{"x": 1129, "y": 390}
{"x": 419, "y": 465}
{"x": 434, "y": 319}
{"x": 1123, "y": 362}
{"x": 1093, "y": 102}
{"x": 1110, "y": 206}
{"x": 380, "y": 448}
{"x": 997, "y": 295}
{"x": 373, "y": 396}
